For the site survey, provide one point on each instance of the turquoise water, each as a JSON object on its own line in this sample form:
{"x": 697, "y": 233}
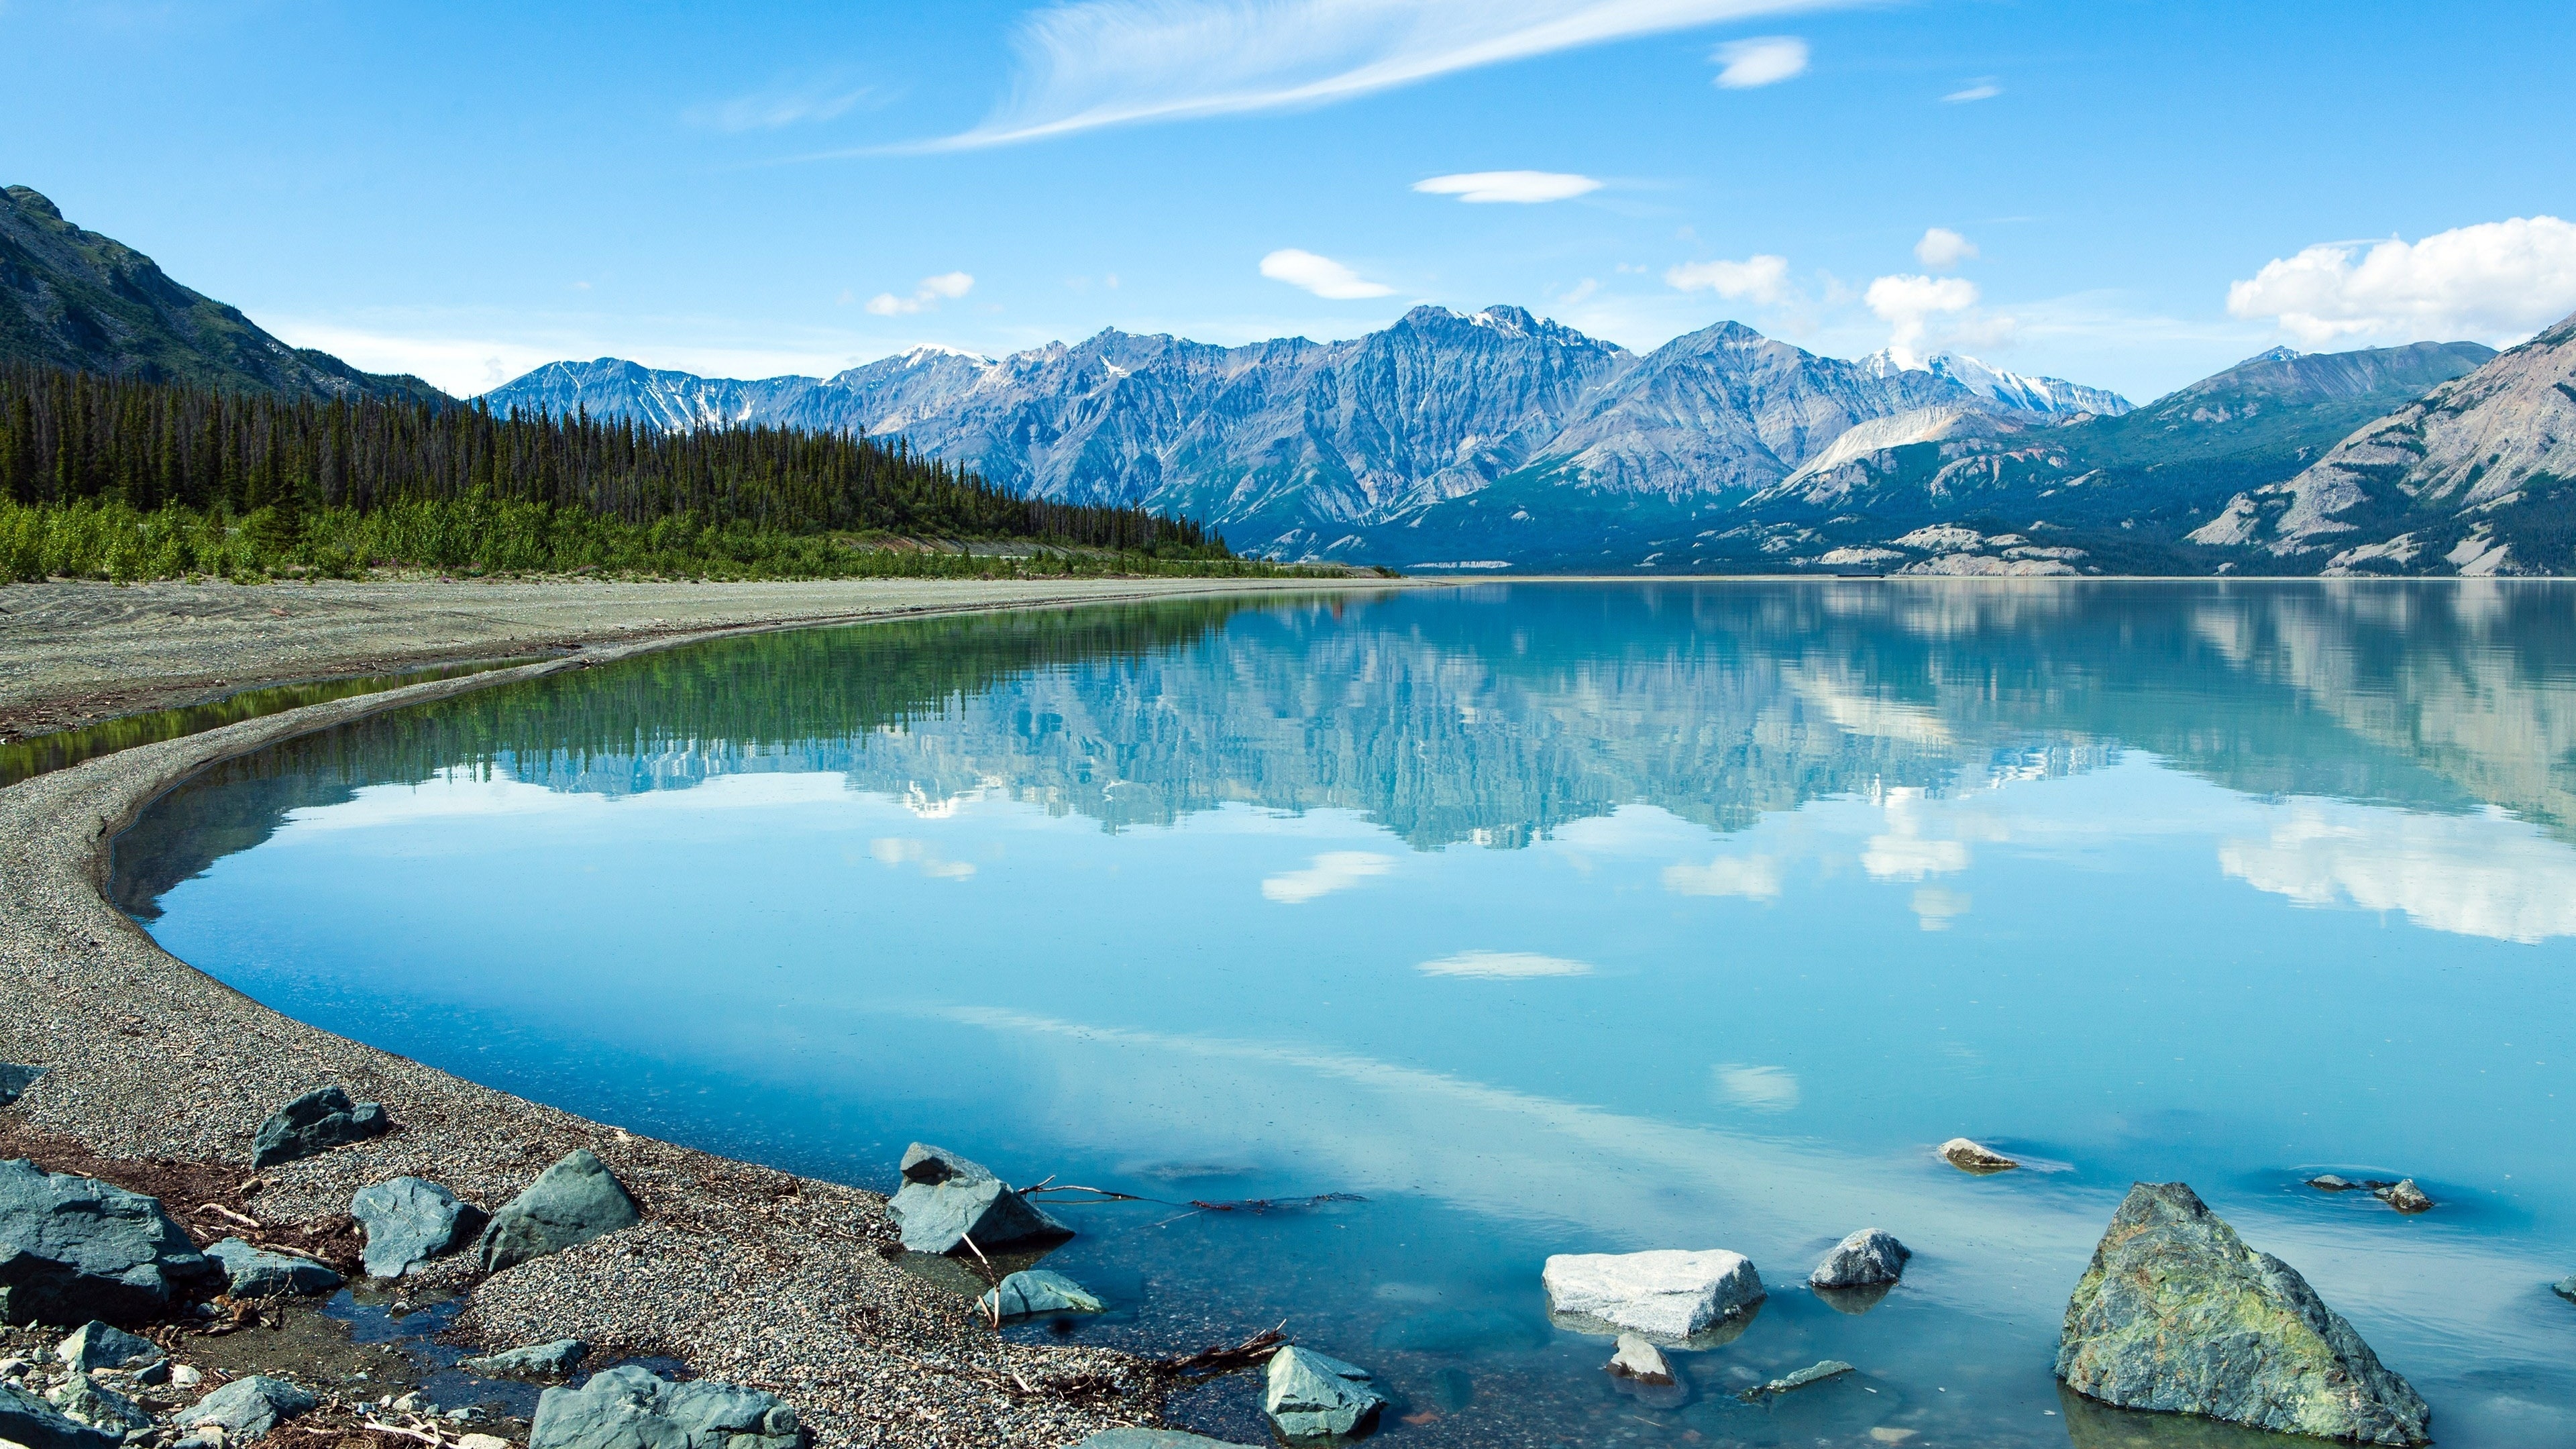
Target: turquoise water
{"x": 1544, "y": 918}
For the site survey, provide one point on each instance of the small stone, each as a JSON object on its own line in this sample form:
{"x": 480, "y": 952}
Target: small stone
{"x": 30, "y": 1422}
{"x": 15, "y": 1080}
{"x": 1667, "y": 1292}
{"x": 554, "y": 1360}
{"x": 1036, "y": 1291}
{"x": 1888, "y": 1434}
{"x": 2404, "y": 1196}
{"x": 259, "y": 1273}
{"x": 1973, "y": 1157}
{"x": 2328, "y": 1182}
{"x": 185, "y": 1377}
{"x": 482, "y": 1441}
{"x": 249, "y": 1407}
{"x": 411, "y": 1403}
{"x": 1311, "y": 1396}
{"x": 1790, "y": 1383}
{"x": 629, "y": 1408}
{"x": 100, "y": 1408}
{"x": 2565, "y": 1287}
{"x": 1640, "y": 1360}
{"x": 572, "y": 1202}
{"x": 155, "y": 1373}
{"x": 1867, "y": 1257}
{"x": 410, "y": 1220}
{"x": 946, "y": 1199}
{"x": 14, "y": 1368}
{"x": 95, "y": 1345}
{"x": 315, "y": 1123}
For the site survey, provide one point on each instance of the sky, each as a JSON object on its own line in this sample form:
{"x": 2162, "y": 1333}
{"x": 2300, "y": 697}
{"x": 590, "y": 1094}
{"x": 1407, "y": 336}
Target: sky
{"x": 2130, "y": 195}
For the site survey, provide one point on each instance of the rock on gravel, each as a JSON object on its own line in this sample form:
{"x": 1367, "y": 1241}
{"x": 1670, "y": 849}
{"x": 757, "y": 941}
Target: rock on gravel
{"x": 1975, "y": 1157}
{"x": 248, "y": 1408}
{"x": 410, "y": 1220}
{"x": 258, "y": 1273}
{"x": 100, "y": 1408}
{"x": 1038, "y": 1291}
{"x": 74, "y": 1248}
{"x": 2176, "y": 1314}
{"x": 946, "y": 1199}
{"x": 570, "y": 1203}
{"x": 15, "y": 1080}
{"x": 1667, "y": 1292}
{"x": 554, "y": 1360}
{"x": 315, "y": 1123}
{"x": 30, "y": 1421}
{"x": 1866, "y": 1257}
{"x": 95, "y": 1345}
{"x": 1311, "y": 1396}
{"x": 629, "y": 1408}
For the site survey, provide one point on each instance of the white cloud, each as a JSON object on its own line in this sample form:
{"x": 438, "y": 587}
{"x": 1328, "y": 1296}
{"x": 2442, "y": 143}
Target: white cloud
{"x": 1912, "y": 857}
{"x": 2484, "y": 874}
{"x": 1504, "y": 965}
{"x": 772, "y": 109}
{"x": 1767, "y": 61}
{"x": 1761, "y": 279}
{"x": 1329, "y": 872}
{"x": 1910, "y": 303}
{"x": 1520, "y": 186}
{"x": 897, "y": 851}
{"x": 1983, "y": 90}
{"x": 2498, "y": 281}
{"x": 1754, "y": 877}
{"x": 926, "y": 297}
{"x": 1942, "y": 249}
{"x": 1320, "y": 275}
{"x": 1935, "y": 908}
{"x": 1764, "y": 1089}
{"x": 1111, "y": 62}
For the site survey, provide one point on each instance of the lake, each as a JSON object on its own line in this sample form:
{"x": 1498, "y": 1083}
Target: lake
{"x": 1525, "y": 919}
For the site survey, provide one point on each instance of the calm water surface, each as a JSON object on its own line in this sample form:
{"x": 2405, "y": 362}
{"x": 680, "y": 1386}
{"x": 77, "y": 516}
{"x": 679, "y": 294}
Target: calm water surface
{"x": 1545, "y": 918}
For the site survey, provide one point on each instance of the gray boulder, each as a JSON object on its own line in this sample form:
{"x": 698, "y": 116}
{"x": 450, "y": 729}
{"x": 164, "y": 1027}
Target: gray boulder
{"x": 2176, "y": 1314}
{"x": 30, "y": 1421}
{"x": 258, "y": 1273}
{"x": 1668, "y": 1293}
{"x": 74, "y": 1248}
{"x": 78, "y": 1398}
{"x": 1152, "y": 1439}
{"x": 248, "y": 1408}
{"x": 2404, "y": 1196}
{"x": 1311, "y": 1396}
{"x": 1866, "y": 1257}
{"x": 95, "y": 1345}
{"x": 15, "y": 1080}
{"x": 554, "y": 1360}
{"x": 629, "y": 1408}
{"x": 1038, "y": 1291}
{"x": 314, "y": 1123}
{"x": 2565, "y": 1287}
{"x": 946, "y": 1199}
{"x": 570, "y": 1203}
{"x": 410, "y": 1220}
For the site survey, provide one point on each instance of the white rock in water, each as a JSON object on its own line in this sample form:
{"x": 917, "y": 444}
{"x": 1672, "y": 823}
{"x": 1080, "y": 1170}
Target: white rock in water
{"x": 1640, "y": 1360}
{"x": 1668, "y": 1291}
{"x": 1969, "y": 1156}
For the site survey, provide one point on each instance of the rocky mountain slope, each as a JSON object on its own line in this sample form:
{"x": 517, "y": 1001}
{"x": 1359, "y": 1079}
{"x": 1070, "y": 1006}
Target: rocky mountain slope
{"x": 2479, "y": 474}
{"x": 2014, "y": 391}
{"x": 75, "y": 299}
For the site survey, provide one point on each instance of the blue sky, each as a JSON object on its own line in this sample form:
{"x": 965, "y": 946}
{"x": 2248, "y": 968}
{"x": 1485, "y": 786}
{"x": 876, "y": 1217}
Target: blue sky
{"x": 468, "y": 190}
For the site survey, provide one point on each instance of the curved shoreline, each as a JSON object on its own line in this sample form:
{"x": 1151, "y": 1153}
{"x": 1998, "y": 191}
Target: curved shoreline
{"x": 743, "y": 1272}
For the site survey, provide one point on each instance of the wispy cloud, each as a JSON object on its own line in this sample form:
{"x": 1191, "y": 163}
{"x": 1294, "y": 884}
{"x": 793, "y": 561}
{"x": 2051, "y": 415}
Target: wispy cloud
{"x": 1763, "y": 1089}
{"x": 1755, "y": 279}
{"x": 1115, "y": 62}
{"x": 776, "y": 108}
{"x": 947, "y": 286}
{"x": 1769, "y": 60}
{"x": 1980, "y": 90}
{"x": 1754, "y": 877}
{"x": 1520, "y": 186}
{"x": 1331, "y": 871}
{"x": 1320, "y": 275}
{"x": 1504, "y": 965}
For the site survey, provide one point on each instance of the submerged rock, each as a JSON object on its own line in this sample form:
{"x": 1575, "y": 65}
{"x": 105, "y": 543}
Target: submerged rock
{"x": 2328, "y": 1182}
{"x": 74, "y": 1249}
{"x": 2176, "y": 1314}
{"x": 1638, "y": 1358}
{"x": 315, "y": 1123}
{"x": 78, "y": 1398}
{"x": 946, "y": 1199}
{"x": 1311, "y": 1396}
{"x": 30, "y": 1421}
{"x": 629, "y": 1408}
{"x": 573, "y": 1201}
{"x": 95, "y": 1345}
{"x": 2565, "y": 1287}
{"x": 1974, "y": 1157}
{"x": 258, "y": 1273}
{"x": 1151, "y": 1439}
{"x": 1867, "y": 1257}
{"x": 1667, "y": 1292}
{"x": 2404, "y": 1196}
{"x": 1854, "y": 1301}
{"x": 1038, "y": 1291}
{"x": 410, "y": 1220}
{"x": 1790, "y": 1383}
{"x": 248, "y": 1408}
{"x": 15, "y": 1080}
{"x": 554, "y": 1360}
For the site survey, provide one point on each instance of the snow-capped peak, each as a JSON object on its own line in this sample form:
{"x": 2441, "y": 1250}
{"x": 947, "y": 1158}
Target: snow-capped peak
{"x": 2020, "y": 392}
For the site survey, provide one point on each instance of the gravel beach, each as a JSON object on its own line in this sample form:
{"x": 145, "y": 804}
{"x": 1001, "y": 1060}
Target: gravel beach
{"x": 156, "y": 1072}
